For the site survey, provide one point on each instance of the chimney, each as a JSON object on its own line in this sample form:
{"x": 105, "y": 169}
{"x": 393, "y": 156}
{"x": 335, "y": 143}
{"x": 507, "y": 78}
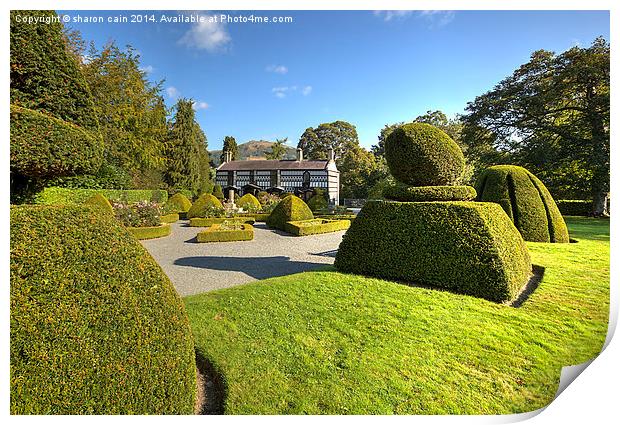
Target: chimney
{"x": 227, "y": 156}
{"x": 300, "y": 154}
{"x": 330, "y": 154}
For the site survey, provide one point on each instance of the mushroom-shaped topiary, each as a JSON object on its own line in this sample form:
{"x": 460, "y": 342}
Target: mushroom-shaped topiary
{"x": 290, "y": 208}
{"x": 248, "y": 202}
{"x": 526, "y": 200}
{"x": 202, "y": 204}
{"x": 101, "y": 202}
{"x": 419, "y": 154}
{"x": 178, "y": 203}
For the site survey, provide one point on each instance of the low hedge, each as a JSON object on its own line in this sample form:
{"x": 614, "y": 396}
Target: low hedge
{"x": 202, "y": 204}
{"x": 258, "y": 217}
{"x": 96, "y": 326}
{"x": 44, "y": 146}
{"x": 576, "y": 207}
{"x": 467, "y": 247}
{"x": 206, "y": 222}
{"x": 316, "y": 226}
{"x": 101, "y": 202}
{"x": 406, "y": 193}
{"x": 150, "y": 232}
{"x": 169, "y": 218}
{"x": 349, "y": 217}
{"x": 216, "y": 234}
{"x": 290, "y": 208}
{"x": 65, "y": 196}
{"x": 526, "y": 200}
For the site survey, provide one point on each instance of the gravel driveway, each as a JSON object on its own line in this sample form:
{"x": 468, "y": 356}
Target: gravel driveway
{"x": 200, "y": 267}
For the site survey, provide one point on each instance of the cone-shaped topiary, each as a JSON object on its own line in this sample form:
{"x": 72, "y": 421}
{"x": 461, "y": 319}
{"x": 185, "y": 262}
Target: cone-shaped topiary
{"x": 202, "y": 204}
{"x": 526, "y": 200}
{"x": 96, "y": 326}
{"x": 217, "y": 192}
{"x": 422, "y": 155}
{"x": 101, "y": 202}
{"x": 290, "y": 208}
{"x": 178, "y": 203}
{"x": 248, "y": 201}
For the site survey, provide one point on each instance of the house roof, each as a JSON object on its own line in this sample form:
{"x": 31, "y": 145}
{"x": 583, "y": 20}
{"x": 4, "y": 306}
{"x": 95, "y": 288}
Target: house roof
{"x": 273, "y": 164}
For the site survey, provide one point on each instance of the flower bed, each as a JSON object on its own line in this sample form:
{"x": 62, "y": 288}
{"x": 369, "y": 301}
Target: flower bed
{"x": 151, "y": 232}
{"x": 206, "y": 222}
{"x": 227, "y": 231}
{"x": 315, "y": 226}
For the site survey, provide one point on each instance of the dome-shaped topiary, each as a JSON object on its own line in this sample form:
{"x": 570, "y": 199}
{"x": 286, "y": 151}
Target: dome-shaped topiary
{"x": 317, "y": 202}
{"x": 526, "y": 200}
{"x": 178, "y": 203}
{"x": 96, "y": 326}
{"x": 419, "y": 154}
{"x": 290, "y": 208}
{"x": 217, "y": 192}
{"x": 202, "y": 204}
{"x": 101, "y": 202}
{"x": 248, "y": 202}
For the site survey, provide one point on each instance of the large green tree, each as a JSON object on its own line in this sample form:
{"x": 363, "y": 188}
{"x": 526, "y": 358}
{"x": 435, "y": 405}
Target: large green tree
{"x": 230, "y": 145}
{"x": 359, "y": 170}
{"x": 183, "y": 152}
{"x": 278, "y": 150}
{"x": 552, "y": 116}
{"x": 338, "y": 135}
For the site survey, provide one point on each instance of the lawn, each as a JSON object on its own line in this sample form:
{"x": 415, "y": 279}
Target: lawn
{"x": 329, "y": 343}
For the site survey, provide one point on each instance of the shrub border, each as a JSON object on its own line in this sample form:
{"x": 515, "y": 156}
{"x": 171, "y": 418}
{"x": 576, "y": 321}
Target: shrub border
{"x": 215, "y": 234}
{"x": 150, "y": 232}
{"x": 207, "y": 222}
{"x": 327, "y": 226}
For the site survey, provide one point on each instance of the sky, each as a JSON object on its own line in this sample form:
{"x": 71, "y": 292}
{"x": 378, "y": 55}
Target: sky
{"x": 262, "y": 81}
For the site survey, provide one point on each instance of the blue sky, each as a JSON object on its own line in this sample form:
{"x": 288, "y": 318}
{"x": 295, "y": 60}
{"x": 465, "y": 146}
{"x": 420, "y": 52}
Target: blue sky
{"x": 267, "y": 81}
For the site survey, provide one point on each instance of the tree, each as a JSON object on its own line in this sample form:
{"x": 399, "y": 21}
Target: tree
{"x": 183, "y": 154}
{"x": 230, "y": 145}
{"x": 360, "y": 170}
{"x": 338, "y": 135}
{"x": 277, "y": 149}
{"x": 379, "y": 148}
{"x": 551, "y": 116}
{"x": 205, "y": 171}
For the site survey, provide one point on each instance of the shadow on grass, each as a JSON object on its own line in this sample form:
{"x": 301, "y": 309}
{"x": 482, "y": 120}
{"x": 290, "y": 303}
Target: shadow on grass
{"x": 538, "y": 272}
{"x": 212, "y": 389}
{"x": 256, "y": 267}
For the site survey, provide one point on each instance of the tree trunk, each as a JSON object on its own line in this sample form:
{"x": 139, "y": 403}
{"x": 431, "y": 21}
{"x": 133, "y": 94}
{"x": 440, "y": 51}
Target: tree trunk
{"x": 599, "y": 204}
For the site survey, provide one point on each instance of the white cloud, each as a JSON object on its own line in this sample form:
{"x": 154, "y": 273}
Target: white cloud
{"x": 209, "y": 34}
{"x": 277, "y": 69}
{"x": 147, "y": 69}
{"x": 388, "y": 15}
{"x": 284, "y": 91}
{"x": 281, "y": 92}
{"x": 200, "y": 105}
{"x": 306, "y": 90}
{"x": 172, "y": 92}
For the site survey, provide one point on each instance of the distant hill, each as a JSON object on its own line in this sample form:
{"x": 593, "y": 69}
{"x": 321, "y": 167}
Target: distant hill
{"x": 254, "y": 149}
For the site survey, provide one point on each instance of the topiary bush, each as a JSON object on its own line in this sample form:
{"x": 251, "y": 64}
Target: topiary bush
{"x": 405, "y": 193}
{"x": 249, "y": 202}
{"x": 318, "y": 201}
{"x": 419, "y": 154}
{"x": 178, "y": 203}
{"x": 100, "y": 202}
{"x": 96, "y": 326}
{"x": 467, "y": 247}
{"x": 205, "y": 202}
{"x": 217, "y": 192}
{"x": 526, "y": 200}
{"x": 290, "y": 208}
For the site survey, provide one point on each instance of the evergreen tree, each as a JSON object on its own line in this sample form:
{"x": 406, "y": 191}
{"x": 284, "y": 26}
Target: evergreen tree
{"x": 183, "y": 155}
{"x": 230, "y": 145}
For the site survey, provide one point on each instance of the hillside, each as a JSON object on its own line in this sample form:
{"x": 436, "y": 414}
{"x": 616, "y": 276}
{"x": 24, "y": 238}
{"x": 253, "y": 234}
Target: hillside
{"x": 254, "y": 149}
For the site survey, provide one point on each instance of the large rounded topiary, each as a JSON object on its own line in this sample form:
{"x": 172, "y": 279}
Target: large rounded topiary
{"x": 248, "y": 201}
{"x": 178, "y": 203}
{"x": 422, "y": 155}
{"x": 96, "y": 326}
{"x": 101, "y": 202}
{"x": 290, "y": 208}
{"x": 202, "y": 204}
{"x": 526, "y": 200}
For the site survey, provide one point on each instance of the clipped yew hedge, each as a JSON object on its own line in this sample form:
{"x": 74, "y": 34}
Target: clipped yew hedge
{"x": 467, "y": 247}
{"x": 96, "y": 326}
{"x": 65, "y": 196}
{"x": 419, "y": 154}
{"x": 202, "y": 204}
{"x": 169, "y": 218}
{"x": 248, "y": 201}
{"x": 216, "y": 234}
{"x": 100, "y": 202}
{"x": 45, "y": 146}
{"x": 179, "y": 203}
{"x": 210, "y": 221}
{"x": 526, "y": 200}
{"x": 150, "y": 232}
{"x": 405, "y": 193}
{"x": 290, "y": 208}
{"x": 316, "y": 226}
{"x": 577, "y": 207}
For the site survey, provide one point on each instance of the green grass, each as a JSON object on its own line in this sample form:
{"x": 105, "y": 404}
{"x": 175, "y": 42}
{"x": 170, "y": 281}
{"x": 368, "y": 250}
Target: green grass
{"x": 325, "y": 342}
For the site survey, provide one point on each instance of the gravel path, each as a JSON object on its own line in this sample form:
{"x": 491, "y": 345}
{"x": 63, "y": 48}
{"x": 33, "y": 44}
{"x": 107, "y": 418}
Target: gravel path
{"x": 200, "y": 267}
